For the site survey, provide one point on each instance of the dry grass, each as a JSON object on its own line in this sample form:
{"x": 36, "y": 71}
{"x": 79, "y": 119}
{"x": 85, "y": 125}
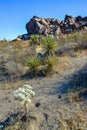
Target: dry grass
{"x": 75, "y": 118}
{"x": 74, "y": 97}
{"x": 12, "y": 84}
{"x": 71, "y": 116}
{"x": 19, "y": 51}
{"x": 67, "y": 118}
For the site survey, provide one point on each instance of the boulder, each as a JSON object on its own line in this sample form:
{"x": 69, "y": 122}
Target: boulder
{"x": 53, "y": 27}
{"x": 23, "y": 37}
{"x": 35, "y": 27}
{"x": 69, "y": 18}
{"x": 44, "y": 22}
{"x": 56, "y": 31}
{"x": 68, "y": 24}
{"x": 85, "y": 19}
{"x": 42, "y": 26}
{"x": 57, "y": 22}
{"x": 79, "y": 18}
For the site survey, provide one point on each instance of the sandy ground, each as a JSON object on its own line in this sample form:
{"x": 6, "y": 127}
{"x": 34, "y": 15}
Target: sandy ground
{"x": 47, "y": 89}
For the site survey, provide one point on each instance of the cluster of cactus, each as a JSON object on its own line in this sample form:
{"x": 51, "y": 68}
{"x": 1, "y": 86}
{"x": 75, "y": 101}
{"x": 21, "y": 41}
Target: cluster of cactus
{"x": 24, "y": 94}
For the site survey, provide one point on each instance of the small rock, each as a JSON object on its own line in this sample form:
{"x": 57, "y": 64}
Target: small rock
{"x": 59, "y": 96}
{"x": 37, "y": 104}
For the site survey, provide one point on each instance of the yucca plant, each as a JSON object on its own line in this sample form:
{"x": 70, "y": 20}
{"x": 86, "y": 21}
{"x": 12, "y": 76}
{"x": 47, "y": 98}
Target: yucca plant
{"x": 35, "y": 39}
{"x": 50, "y": 61}
{"x": 33, "y": 63}
{"x": 50, "y": 46}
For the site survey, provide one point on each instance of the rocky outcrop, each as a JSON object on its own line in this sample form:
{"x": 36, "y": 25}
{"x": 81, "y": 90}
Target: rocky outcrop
{"x": 43, "y": 26}
{"x": 70, "y": 23}
{"x": 24, "y": 37}
{"x": 54, "y": 27}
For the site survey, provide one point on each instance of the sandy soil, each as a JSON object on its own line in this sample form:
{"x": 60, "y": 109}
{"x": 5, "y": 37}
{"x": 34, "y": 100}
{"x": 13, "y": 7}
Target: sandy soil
{"x": 48, "y": 91}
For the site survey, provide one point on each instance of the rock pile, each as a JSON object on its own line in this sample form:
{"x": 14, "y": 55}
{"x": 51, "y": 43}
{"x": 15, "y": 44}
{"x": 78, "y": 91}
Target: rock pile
{"x": 71, "y": 23}
{"x": 54, "y": 27}
{"x": 43, "y": 26}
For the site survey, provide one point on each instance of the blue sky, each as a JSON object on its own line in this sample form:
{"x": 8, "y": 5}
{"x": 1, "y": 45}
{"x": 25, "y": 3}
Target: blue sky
{"x": 14, "y": 14}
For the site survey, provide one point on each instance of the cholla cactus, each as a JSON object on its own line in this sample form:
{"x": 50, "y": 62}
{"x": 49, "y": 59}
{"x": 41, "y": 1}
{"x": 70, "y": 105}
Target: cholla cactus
{"x": 24, "y": 94}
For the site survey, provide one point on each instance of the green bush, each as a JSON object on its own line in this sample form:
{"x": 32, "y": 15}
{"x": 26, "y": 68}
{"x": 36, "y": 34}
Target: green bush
{"x": 50, "y": 61}
{"x": 33, "y": 63}
{"x": 50, "y": 46}
{"x": 36, "y": 39}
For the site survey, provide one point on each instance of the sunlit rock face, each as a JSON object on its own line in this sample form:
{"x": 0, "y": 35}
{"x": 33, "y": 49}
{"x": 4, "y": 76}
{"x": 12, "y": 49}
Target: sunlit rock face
{"x": 53, "y": 27}
{"x": 43, "y": 26}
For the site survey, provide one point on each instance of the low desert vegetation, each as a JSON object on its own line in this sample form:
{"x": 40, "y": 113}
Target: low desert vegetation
{"x": 50, "y": 46}
{"x": 72, "y": 121}
{"x": 18, "y": 58}
{"x": 51, "y": 62}
{"x": 36, "y": 39}
{"x": 16, "y": 53}
{"x": 48, "y": 58}
{"x": 75, "y": 121}
{"x": 33, "y": 63}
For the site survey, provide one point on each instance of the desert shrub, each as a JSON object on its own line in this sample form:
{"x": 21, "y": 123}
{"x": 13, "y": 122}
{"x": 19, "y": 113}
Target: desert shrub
{"x": 80, "y": 38}
{"x": 83, "y": 42}
{"x": 33, "y": 63}
{"x": 70, "y": 43}
{"x": 50, "y": 61}
{"x": 64, "y": 50}
{"x": 35, "y": 39}
{"x": 13, "y": 70}
{"x": 74, "y": 97}
{"x": 50, "y": 46}
{"x": 73, "y": 37}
